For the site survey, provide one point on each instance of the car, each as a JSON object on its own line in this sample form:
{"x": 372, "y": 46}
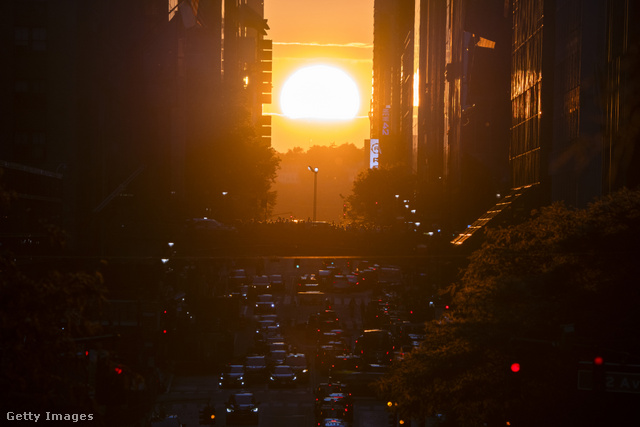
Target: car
{"x": 298, "y": 362}
{"x": 238, "y": 277}
{"x": 343, "y": 365}
{"x": 267, "y": 335}
{"x": 324, "y": 278}
{"x": 330, "y": 407}
{"x": 310, "y": 297}
{"x": 325, "y": 389}
{"x": 261, "y": 308}
{"x": 307, "y": 282}
{"x": 265, "y": 298}
{"x": 278, "y": 345}
{"x": 261, "y": 284}
{"x": 264, "y": 322}
{"x": 242, "y": 408}
{"x": 255, "y": 369}
{"x": 340, "y": 283}
{"x": 273, "y": 317}
{"x": 277, "y": 283}
{"x": 324, "y": 321}
{"x": 375, "y": 346}
{"x": 338, "y": 400}
{"x": 325, "y": 354}
{"x": 232, "y": 377}
{"x": 333, "y": 422}
{"x": 354, "y": 281}
{"x": 282, "y": 376}
{"x": 276, "y": 357}
{"x": 330, "y": 337}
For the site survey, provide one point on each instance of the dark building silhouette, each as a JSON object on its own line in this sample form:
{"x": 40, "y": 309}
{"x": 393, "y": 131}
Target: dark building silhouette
{"x": 391, "y": 33}
{"x": 107, "y": 106}
{"x": 440, "y": 102}
{"x": 521, "y": 103}
{"x": 248, "y": 58}
{"x": 573, "y": 101}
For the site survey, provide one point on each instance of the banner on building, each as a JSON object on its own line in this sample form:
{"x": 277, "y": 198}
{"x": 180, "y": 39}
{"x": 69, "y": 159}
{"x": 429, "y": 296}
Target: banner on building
{"x": 374, "y": 151}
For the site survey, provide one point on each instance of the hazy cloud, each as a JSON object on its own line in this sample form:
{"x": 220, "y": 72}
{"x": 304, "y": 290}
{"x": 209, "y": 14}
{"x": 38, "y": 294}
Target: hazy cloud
{"x": 352, "y": 45}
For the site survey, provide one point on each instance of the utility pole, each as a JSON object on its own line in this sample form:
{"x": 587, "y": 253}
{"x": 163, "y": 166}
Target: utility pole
{"x": 315, "y": 189}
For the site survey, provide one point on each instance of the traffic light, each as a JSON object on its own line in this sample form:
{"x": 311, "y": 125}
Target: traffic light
{"x": 515, "y": 367}
{"x": 296, "y": 262}
{"x": 599, "y": 374}
{"x": 208, "y": 416}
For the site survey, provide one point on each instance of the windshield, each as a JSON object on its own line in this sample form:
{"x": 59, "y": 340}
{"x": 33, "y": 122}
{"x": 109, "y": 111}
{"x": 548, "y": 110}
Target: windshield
{"x": 256, "y": 361}
{"x": 244, "y": 399}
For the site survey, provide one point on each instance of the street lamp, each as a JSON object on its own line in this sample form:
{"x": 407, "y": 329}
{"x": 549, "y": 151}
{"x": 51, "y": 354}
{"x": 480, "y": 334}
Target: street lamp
{"x": 315, "y": 189}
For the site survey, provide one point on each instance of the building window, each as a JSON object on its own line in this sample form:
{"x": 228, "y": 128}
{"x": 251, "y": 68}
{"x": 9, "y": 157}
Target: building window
{"x": 35, "y": 38}
{"x": 39, "y": 39}
{"x": 21, "y": 36}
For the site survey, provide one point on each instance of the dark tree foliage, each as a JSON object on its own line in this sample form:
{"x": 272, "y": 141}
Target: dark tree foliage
{"x": 233, "y": 159}
{"x": 378, "y": 194}
{"x": 43, "y": 311}
{"x": 547, "y": 294}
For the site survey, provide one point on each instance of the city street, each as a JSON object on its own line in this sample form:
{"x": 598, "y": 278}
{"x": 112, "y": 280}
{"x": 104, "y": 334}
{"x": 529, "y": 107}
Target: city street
{"x": 187, "y": 395}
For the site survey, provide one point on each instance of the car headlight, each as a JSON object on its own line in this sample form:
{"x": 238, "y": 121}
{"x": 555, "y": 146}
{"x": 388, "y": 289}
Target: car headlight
{"x": 271, "y": 378}
{"x": 229, "y": 410}
{"x": 304, "y": 371}
{"x": 254, "y": 409}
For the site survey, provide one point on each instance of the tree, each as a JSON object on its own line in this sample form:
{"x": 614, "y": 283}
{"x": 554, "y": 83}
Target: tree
{"x": 517, "y": 295}
{"x": 378, "y": 194}
{"x": 231, "y": 158}
{"x": 43, "y": 310}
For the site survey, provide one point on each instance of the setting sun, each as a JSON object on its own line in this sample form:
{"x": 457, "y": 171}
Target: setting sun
{"x": 320, "y": 92}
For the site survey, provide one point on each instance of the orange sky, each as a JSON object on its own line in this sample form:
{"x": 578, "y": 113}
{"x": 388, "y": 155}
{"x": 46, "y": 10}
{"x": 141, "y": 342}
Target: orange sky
{"x": 331, "y": 32}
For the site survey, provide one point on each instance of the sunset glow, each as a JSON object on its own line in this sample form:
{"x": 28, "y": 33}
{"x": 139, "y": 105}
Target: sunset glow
{"x": 320, "y": 92}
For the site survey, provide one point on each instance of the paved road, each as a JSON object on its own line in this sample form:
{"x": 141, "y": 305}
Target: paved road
{"x": 187, "y": 395}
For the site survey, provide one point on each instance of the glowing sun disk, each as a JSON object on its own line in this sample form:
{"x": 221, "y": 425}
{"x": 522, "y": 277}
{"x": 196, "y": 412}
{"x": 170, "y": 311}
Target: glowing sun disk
{"x": 320, "y": 92}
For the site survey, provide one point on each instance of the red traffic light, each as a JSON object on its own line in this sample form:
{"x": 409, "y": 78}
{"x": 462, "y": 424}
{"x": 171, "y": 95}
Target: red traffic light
{"x": 598, "y": 361}
{"x": 515, "y": 367}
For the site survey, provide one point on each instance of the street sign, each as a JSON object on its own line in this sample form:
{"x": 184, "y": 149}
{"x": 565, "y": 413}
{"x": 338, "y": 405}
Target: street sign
{"x": 615, "y": 382}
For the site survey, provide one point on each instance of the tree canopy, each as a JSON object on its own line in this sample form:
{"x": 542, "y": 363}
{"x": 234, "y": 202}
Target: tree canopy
{"x": 232, "y": 159}
{"x": 377, "y": 195}
{"x": 43, "y": 311}
{"x": 546, "y": 294}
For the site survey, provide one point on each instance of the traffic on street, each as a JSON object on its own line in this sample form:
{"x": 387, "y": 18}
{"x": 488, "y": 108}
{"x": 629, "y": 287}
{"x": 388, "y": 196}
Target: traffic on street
{"x": 309, "y": 345}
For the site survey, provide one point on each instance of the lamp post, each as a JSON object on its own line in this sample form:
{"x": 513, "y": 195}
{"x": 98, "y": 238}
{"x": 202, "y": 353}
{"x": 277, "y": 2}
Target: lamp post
{"x": 315, "y": 189}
